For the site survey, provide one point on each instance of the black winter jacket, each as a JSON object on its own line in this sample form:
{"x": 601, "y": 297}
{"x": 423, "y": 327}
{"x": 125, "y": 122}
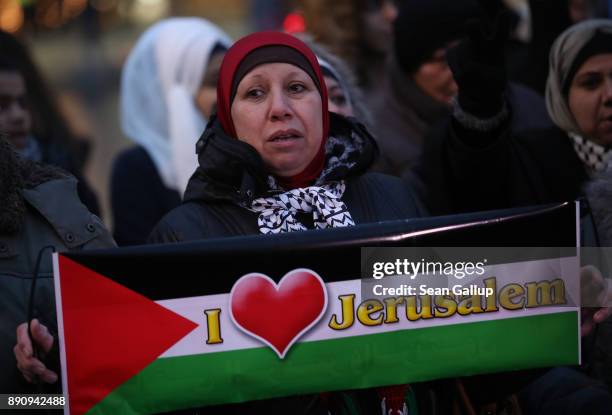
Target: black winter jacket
{"x": 232, "y": 174}
{"x": 464, "y": 171}
{"x": 139, "y": 198}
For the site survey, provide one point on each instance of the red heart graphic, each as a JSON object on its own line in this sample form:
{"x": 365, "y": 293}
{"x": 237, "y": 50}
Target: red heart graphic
{"x": 280, "y": 314}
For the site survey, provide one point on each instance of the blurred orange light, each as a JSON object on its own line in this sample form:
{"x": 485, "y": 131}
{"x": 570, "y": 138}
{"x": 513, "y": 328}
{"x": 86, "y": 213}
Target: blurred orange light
{"x": 11, "y": 15}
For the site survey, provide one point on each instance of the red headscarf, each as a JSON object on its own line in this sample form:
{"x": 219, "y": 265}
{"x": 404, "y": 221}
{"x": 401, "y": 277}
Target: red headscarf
{"x": 230, "y": 64}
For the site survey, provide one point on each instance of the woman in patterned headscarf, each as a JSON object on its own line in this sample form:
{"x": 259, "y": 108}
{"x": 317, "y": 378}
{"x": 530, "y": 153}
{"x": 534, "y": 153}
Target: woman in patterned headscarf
{"x": 579, "y": 90}
{"x": 275, "y": 159}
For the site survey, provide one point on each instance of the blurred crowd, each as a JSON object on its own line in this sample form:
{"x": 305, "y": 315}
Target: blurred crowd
{"x": 470, "y": 106}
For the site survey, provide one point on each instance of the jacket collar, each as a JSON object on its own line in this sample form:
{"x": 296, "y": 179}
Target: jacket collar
{"x": 43, "y": 188}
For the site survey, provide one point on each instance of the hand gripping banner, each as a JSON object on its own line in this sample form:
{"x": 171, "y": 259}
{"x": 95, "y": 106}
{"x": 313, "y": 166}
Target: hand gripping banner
{"x": 159, "y": 328}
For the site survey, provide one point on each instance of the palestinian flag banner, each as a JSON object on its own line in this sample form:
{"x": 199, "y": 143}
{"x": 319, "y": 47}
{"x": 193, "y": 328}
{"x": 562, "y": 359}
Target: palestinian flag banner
{"x": 153, "y": 329}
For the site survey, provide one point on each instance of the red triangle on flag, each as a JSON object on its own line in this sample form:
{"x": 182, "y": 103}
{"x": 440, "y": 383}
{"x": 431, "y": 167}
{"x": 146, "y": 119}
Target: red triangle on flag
{"x": 111, "y": 333}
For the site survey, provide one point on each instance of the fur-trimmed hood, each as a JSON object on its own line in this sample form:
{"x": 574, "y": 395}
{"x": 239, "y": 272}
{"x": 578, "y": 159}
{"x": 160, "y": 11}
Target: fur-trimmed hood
{"x": 599, "y": 193}
{"x": 17, "y": 175}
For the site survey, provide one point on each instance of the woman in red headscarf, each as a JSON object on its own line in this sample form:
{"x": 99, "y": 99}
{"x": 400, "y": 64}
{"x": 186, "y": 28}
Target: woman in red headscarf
{"x": 275, "y": 159}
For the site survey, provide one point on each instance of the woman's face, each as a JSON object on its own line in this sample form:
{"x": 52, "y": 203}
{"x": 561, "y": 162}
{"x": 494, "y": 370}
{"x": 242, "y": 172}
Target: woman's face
{"x": 15, "y": 117}
{"x": 337, "y": 100}
{"x": 278, "y": 110}
{"x": 378, "y": 24}
{"x": 590, "y": 98}
{"x": 435, "y": 78}
{"x": 207, "y": 95}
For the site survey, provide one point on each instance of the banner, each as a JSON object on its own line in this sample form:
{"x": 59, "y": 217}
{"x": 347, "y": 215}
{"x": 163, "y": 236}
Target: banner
{"x": 154, "y": 329}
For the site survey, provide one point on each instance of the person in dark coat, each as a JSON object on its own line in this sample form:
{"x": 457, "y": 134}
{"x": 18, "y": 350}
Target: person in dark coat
{"x": 167, "y": 95}
{"x": 275, "y": 160}
{"x": 270, "y": 163}
{"x": 37, "y": 127}
{"x": 478, "y": 163}
{"x": 39, "y": 208}
{"x": 416, "y": 93}
{"x": 599, "y": 194}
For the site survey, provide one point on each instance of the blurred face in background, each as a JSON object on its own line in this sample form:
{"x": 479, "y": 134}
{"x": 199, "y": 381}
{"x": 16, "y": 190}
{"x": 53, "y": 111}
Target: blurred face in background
{"x": 206, "y": 98}
{"x": 378, "y": 21}
{"x": 278, "y": 110}
{"x": 580, "y": 10}
{"x": 15, "y": 117}
{"x": 435, "y": 78}
{"x": 590, "y": 98}
{"x": 338, "y": 101}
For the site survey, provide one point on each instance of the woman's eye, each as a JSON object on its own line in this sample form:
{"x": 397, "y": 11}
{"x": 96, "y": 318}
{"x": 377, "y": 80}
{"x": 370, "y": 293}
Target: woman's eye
{"x": 590, "y": 83}
{"x": 254, "y": 93}
{"x": 297, "y": 88}
{"x": 338, "y": 100}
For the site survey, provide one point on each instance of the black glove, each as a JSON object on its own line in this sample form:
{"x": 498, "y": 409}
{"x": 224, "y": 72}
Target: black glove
{"x": 478, "y": 65}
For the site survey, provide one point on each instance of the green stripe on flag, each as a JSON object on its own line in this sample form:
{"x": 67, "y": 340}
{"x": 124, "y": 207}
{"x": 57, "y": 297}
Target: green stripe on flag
{"x": 348, "y": 363}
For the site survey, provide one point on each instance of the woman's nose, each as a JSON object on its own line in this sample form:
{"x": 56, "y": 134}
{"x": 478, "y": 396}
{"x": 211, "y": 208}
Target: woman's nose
{"x": 389, "y": 11}
{"x": 15, "y": 111}
{"x": 280, "y": 107}
{"x": 607, "y": 92}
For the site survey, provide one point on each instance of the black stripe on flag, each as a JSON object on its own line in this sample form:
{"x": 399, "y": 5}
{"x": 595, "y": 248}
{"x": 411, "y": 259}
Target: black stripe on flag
{"x": 212, "y": 266}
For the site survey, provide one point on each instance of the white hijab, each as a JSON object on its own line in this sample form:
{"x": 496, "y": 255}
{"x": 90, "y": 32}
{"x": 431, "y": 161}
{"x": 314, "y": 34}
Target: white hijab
{"x": 159, "y": 83}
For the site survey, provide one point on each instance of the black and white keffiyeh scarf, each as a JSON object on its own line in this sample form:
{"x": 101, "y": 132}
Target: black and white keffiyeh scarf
{"x": 277, "y": 214}
{"x": 596, "y": 157}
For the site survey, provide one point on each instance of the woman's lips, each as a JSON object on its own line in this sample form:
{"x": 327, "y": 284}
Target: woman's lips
{"x": 289, "y": 143}
{"x": 285, "y": 135}
{"x": 606, "y": 124}
{"x": 284, "y": 138}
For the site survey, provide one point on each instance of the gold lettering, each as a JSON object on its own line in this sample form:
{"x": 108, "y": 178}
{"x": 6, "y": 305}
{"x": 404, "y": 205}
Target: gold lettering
{"x": 445, "y": 306}
{"x": 470, "y": 305}
{"x": 365, "y": 311}
{"x": 391, "y": 304}
{"x": 509, "y": 292}
{"x": 348, "y": 318}
{"x": 544, "y": 293}
{"x": 491, "y": 299}
{"x": 414, "y": 312}
{"x": 213, "y": 326}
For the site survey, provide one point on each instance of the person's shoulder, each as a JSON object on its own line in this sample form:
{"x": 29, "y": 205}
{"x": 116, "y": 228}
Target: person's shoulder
{"x": 390, "y": 190}
{"x": 188, "y": 221}
{"x": 549, "y": 134}
{"x": 135, "y": 157}
{"x": 198, "y": 219}
{"x": 135, "y": 176}
{"x": 546, "y": 140}
{"x": 383, "y": 181}
{"x": 57, "y": 201}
